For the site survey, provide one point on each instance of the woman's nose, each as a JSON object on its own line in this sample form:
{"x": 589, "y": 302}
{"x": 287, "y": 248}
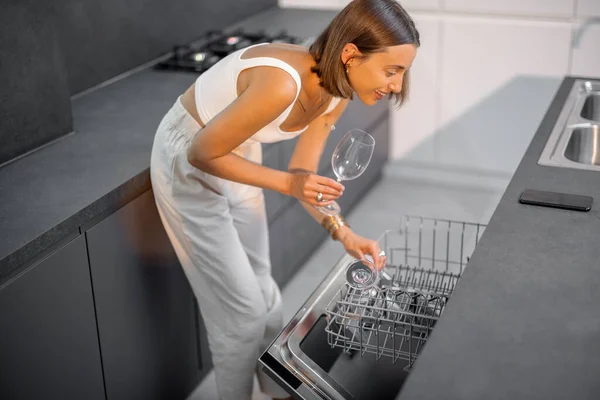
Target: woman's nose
{"x": 396, "y": 86}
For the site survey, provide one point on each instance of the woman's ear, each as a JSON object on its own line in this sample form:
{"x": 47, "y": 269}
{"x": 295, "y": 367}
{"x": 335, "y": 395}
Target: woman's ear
{"x": 349, "y": 51}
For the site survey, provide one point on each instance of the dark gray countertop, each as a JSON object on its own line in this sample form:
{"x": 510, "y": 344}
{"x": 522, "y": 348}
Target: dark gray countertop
{"x": 49, "y": 196}
{"x": 524, "y": 321}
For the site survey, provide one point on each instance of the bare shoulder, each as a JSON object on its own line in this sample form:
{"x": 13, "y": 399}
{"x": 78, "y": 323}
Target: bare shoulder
{"x": 292, "y": 54}
{"x": 272, "y": 78}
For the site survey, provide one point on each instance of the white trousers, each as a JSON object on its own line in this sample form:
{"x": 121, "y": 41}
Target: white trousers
{"x": 219, "y": 231}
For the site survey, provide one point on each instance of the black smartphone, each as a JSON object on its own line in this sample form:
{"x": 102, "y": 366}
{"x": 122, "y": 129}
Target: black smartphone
{"x": 557, "y": 200}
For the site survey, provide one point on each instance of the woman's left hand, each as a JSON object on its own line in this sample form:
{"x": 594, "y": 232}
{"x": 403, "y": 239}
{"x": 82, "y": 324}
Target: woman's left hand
{"x": 358, "y": 246}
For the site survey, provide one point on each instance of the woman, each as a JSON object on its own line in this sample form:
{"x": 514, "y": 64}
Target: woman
{"x": 208, "y": 179}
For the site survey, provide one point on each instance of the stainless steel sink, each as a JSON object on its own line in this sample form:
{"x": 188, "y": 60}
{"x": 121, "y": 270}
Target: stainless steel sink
{"x": 584, "y": 145}
{"x": 575, "y": 139}
{"x": 591, "y": 107}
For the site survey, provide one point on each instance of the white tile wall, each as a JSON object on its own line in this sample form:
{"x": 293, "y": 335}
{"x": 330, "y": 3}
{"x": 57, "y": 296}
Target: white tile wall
{"x": 481, "y": 60}
{"x": 481, "y": 55}
{"x": 413, "y": 125}
{"x": 410, "y": 5}
{"x": 586, "y": 51}
{"x": 554, "y": 8}
{"x": 418, "y": 5}
{"x": 313, "y": 4}
{"x": 588, "y": 8}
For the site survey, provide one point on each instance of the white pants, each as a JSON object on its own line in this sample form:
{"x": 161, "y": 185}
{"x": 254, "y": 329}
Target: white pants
{"x": 221, "y": 240}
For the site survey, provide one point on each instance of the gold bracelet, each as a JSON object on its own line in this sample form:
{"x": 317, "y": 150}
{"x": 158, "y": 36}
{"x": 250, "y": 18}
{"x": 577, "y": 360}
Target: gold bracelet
{"x": 327, "y": 222}
{"x": 341, "y": 222}
{"x": 333, "y": 223}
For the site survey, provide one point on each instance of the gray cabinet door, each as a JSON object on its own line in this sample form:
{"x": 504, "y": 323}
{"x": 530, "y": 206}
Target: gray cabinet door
{"x": 277, "y": 240}
{"x": 303, "y": 236}
{"x": 273, "y": 158}
{"x": 147, "y": 319}
{"x": 48, "y": 338}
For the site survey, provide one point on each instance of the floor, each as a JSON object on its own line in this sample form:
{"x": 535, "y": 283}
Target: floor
{"x": 381, "y": 209}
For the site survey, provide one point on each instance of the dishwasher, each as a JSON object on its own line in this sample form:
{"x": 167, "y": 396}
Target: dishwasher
{"x": 349, "y": 342}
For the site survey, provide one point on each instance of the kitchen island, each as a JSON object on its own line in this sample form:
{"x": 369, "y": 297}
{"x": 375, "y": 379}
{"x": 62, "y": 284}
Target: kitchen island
{"x": 524, "y": 321}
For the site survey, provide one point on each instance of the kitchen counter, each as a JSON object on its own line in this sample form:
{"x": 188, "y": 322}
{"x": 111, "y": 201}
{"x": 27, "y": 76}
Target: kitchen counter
{"x": 524, "y": 321}
{"x": 48, "y": 197}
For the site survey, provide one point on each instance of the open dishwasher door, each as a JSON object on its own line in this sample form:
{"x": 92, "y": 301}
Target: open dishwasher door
{"x": 347, "y": 343}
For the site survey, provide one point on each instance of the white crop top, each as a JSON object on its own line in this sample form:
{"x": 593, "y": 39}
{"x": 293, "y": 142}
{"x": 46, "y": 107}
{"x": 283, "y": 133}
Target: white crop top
{"x": 217, "y": 88}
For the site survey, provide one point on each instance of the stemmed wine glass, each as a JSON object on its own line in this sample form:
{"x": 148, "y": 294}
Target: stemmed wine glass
{"x": 349, "y": 160}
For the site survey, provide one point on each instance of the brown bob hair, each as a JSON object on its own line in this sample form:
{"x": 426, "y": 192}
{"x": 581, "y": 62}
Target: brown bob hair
{"x": 371, "y": 25}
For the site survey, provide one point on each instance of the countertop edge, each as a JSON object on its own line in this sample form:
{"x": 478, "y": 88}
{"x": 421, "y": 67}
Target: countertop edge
{"x": 45, "y": 244}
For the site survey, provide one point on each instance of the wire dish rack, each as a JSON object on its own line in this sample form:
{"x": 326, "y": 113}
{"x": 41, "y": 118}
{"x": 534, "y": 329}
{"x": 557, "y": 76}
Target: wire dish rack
{"x": 425, "y": 260}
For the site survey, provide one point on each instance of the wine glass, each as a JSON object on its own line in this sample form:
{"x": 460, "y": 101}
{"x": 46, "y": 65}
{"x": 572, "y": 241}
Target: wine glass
{"x": 349, "y": 160}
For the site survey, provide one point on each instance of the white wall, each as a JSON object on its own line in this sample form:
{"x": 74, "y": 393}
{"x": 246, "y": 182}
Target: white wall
{"x": 484, "y": 76}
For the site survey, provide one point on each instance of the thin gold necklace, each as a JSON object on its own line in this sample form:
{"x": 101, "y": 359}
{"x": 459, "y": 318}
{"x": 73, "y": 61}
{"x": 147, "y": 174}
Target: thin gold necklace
{"x": 320, "y": 101}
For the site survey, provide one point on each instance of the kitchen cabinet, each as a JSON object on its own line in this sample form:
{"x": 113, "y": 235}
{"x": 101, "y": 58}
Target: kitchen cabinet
{"x": 586, "y": 58}
{"x": 303, "y": 236}
{"x": 415, "y": 123}
{"x": 151, "y": 334}
{"x": 482, "y": 144}
{"x": 422, "y": 5}
{"x": 314, "y": 4}
{"x": 273, "y": 158}
{"x": 562, "y": 8}
{"x": 280, "y": 266}
{"x": 48, "y": 341}
{"x": 588, "y": 8}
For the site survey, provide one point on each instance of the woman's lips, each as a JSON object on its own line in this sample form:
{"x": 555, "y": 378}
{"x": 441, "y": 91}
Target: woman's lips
{"x": 378, "y": 95}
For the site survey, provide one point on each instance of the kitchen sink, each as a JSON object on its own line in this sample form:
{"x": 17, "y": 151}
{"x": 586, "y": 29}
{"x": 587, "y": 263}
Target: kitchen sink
{"x": 575, "y": 139}
{"x": 591, "y": 107}
{"x": 584, "y": 145}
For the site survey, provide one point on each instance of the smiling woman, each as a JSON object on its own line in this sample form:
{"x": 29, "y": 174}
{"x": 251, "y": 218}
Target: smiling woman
{"x": 376, "y": 51}
{"x": 208, "y": 178}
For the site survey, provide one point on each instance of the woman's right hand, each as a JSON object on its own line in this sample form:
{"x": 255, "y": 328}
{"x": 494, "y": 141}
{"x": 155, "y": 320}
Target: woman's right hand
{"x": 305, "y": 186}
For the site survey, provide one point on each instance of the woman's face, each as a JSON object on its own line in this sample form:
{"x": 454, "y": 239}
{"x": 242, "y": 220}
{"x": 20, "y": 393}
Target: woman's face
{"x": 379, "y": 74}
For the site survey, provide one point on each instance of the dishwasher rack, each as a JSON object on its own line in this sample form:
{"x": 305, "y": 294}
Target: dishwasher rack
{"x": 425, "y": 260}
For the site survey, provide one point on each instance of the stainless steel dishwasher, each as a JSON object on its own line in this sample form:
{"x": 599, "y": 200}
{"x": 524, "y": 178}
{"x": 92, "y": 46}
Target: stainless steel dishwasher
{"x": 346, "y": 343}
